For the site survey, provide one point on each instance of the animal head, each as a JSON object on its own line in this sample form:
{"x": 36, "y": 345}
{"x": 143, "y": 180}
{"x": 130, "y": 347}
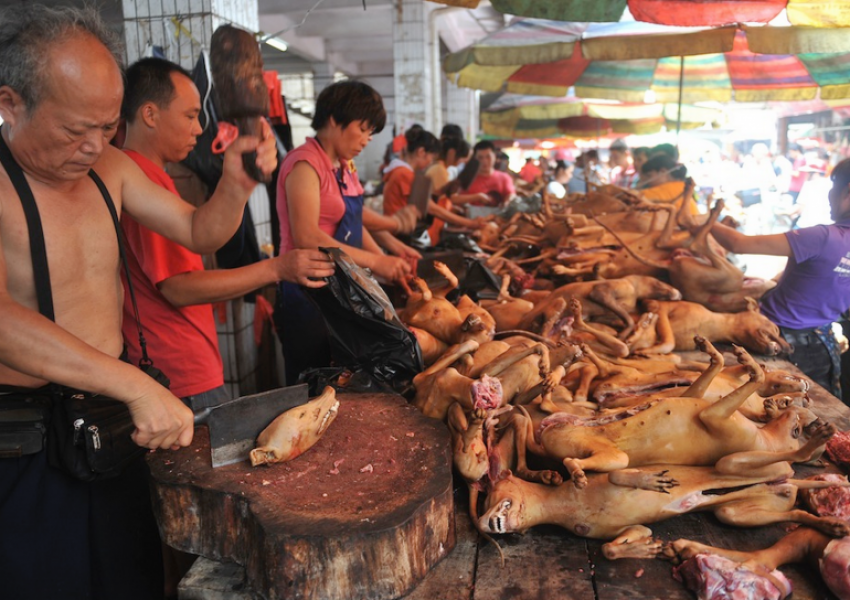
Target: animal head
{"x": 479, "y": 326}
{"x": 782, "y": 382}
{"x": 792, "y": 425}
{"x": 504, "y": 508}
{"x": 756, "y": 332}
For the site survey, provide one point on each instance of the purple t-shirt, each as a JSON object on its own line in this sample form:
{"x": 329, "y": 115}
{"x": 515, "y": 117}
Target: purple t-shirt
{"x": 815, "y": 287}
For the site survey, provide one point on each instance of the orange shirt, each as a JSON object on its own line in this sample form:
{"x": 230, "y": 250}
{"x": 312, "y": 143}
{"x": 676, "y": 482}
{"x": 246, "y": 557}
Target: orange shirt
{"x": 397, "y": 186}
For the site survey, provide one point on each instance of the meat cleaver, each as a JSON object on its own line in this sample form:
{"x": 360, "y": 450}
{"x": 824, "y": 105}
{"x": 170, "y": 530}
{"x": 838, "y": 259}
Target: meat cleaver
{"x": 235, "y": 425}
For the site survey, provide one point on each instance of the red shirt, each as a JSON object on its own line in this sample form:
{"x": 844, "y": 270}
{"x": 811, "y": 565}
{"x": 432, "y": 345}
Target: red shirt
{"x": 331, "y": 204}
{"x": 529, "y": 172}
{"x": 397, "y": 187}
{"x": 181, "y": 341}
{"x": 498, "y": 185}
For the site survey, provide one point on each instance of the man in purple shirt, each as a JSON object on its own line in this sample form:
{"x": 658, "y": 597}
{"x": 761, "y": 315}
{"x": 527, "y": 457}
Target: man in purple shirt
{"x": 815, "y": 288}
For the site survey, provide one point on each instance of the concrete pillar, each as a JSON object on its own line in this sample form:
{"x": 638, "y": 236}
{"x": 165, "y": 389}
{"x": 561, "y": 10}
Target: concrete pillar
{"x": 412, "y": 65}
{"x": 181, "y": 27}
{"x": 461, "y": 108}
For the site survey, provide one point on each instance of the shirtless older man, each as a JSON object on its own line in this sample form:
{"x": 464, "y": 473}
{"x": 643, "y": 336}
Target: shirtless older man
{"x": 60, "y": 97}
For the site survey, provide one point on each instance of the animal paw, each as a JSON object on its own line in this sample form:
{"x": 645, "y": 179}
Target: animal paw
{"x": 744, "y": 359}
{"x": 705, "y": 346}
{"x": 833, "y": 526}
{"x": 819, "y": 433}
{"x": 645, "y": 547}
{"x": 545, "y": 477}
{"x": 577, "y": 474}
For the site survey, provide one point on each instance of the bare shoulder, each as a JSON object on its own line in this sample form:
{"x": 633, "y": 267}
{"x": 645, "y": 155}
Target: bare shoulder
{"x": 116, "y": 169}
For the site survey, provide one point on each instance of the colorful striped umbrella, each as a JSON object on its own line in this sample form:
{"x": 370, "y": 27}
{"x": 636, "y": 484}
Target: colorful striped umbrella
{"x": 633, "y": 62}
{"x": 813, "y": 13}
{"x": 515, "y": 116}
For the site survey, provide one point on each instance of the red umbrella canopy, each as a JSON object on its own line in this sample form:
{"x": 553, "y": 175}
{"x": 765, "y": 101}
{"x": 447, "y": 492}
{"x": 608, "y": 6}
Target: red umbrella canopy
{"x": 816, "y": 13}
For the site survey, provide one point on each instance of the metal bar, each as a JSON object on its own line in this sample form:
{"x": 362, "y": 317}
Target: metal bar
{"x": 681, "y": 87}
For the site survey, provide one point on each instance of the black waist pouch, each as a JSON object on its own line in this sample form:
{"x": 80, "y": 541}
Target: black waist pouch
{"x": 23, "y": 418}
{"x": 89, "y": 436}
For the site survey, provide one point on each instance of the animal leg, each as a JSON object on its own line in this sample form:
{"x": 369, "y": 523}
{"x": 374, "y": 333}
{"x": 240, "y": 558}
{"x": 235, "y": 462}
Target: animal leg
{"x": 602, "y": 294}
{"x": 522, "y": 427}
{"x": 446, "y": 272}
{"x": 642, "y": 480}
{"x": 451, "y": 356}
{"x": 635, "y": 542}
{"x": 715, "y": 415}
{"x": 553, "y": 314}
{"x": 604, "y": 458}
{"x": 700, "y": 386}
{"x": 765, "y": 507}
{"x": 605, "y": 368}
{"x": 611, "y": 343}
{"x": 514, "y": 355}
{"x": 665, "y": 338}
{"x": 773, "y": 464}
{"x": 665, "y": 238}
{"x": 588, "y": 374}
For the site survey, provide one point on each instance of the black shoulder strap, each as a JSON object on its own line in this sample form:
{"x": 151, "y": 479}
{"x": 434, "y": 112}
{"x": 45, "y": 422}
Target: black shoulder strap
{"x": 143, "y": 345}
{"x": 36, "y": 234}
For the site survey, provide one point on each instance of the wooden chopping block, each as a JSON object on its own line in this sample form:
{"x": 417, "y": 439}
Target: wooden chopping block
{"x": 365, "y": 513}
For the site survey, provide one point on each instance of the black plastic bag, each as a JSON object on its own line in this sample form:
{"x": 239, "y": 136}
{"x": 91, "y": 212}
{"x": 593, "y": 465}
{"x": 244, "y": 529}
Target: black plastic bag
{"x": 365, "y": 332}
{"x": 479, "y": 281}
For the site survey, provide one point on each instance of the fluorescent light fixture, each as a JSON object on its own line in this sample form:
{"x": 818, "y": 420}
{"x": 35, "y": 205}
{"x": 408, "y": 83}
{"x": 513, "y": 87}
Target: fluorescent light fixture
{"x": 277, "y": 44}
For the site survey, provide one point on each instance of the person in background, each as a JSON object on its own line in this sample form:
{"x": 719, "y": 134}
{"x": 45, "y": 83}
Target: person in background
{"x": 596, "y": 173}
{"x": 490, "y": 187}
{"x": 577, "y": 184}
{"x": 623, "y": 173}
{"x": 61, "y": 88}
{"x": 530, "y": 172}
{"x": 814, "y": 289}
{"x": 799, "y": 176}
{"x": 664, "y": 181}
{"x": 452, "y": 150}
{"x": 320, "y": 204}
{"x": 562, "y": 176}
{"x": 421, "y": 149}
{"x": 639, "y": 156}
{"x": 668, "y": 150}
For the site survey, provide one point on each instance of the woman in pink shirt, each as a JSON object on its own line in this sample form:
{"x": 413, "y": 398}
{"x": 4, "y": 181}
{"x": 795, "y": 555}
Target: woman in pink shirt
{"x": 320, "y": 204}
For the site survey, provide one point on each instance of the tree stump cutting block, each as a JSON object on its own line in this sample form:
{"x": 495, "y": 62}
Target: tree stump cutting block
{"x": 365, "y": 513}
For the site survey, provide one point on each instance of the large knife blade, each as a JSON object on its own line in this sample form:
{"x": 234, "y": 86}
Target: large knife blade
{"x": 235, "y": 425}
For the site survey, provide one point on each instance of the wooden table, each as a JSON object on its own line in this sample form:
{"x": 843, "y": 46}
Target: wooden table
{"x": 549, "y": 562}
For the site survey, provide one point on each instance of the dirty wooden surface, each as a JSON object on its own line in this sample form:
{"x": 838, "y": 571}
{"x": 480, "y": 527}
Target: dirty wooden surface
{"x": 367, "y": 510}
{"x": 548, "y": 562}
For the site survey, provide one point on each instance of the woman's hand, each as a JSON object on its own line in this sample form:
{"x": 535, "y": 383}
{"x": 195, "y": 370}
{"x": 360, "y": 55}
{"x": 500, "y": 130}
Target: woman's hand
{"x": 391, "y": 268}
{"x": 306, "y": 267}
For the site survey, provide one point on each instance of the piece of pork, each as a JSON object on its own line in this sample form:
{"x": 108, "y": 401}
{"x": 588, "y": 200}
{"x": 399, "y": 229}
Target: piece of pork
{"x": 714, "y": 577}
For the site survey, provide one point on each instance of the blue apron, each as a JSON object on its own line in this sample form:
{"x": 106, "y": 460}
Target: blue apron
{"x": 300, "y": 326}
